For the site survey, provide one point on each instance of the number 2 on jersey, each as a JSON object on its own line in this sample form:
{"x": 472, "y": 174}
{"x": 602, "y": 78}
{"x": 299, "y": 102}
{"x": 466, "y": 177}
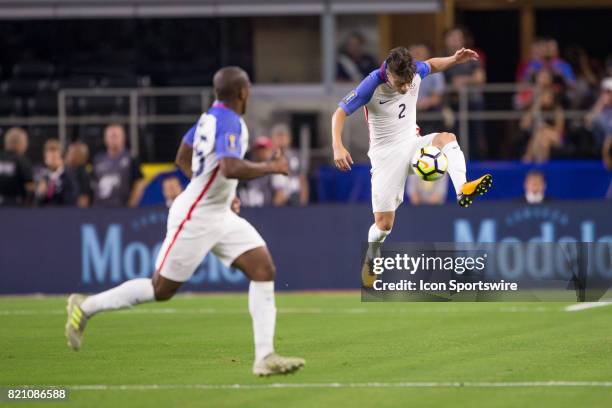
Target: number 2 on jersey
{"x": 403, "y": 108}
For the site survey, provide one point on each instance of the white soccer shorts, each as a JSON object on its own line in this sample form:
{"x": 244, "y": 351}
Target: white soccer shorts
{"x": 390, "y": 169}
{"x": 189, "y": 239}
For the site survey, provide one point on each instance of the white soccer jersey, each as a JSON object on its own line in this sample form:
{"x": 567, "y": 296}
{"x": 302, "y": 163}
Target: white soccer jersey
{"x": 391, "y": 115}
{"x": 220, "y": 132}
{"x": 200, "y": 219}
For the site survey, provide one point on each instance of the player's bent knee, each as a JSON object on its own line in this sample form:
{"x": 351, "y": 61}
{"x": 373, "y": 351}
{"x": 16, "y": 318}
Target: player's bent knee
{"x": 385, "y": 225}
{"x": 264, "y": 273}
{"x": 444, "y": 138}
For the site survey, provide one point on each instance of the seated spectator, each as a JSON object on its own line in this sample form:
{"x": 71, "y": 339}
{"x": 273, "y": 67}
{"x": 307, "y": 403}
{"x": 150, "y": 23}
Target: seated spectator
{"x": 423, "y": 192}
{"x": 16, "y": 182}
{"x": 353, "y": 63}
{"x": 117, "y": 177}
{"x": 431, "y": 91}
{"x": 545, "y": 126}
{"x": 57, "y": 186}
{"x": 470, "y": 73}
{"x": 77, "y": 155}
{"x": 562, "y": 71}
{"x": 292, "y": 189}
{"x": 583, "y": 94}
{"x": 535, "y": 187}
{"x": 258, "y": 192}
{"x": 599, "y": 119}
{"x": 543, "y": 82}
{"x": 459, "y": 76}
{"x": 536, "y": 54}
{"x": 171, "y": 188}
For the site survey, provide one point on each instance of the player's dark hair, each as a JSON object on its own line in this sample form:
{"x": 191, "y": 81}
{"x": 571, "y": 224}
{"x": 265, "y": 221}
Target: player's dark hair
{"x": 401, "y": 64}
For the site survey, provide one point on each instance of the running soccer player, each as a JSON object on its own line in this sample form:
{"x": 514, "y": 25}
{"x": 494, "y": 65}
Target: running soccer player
{"x": 200, "y": 221}
{"x": 389, "y": 96}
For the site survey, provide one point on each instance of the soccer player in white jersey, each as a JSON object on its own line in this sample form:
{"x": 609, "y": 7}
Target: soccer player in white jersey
{"x": 389, "y": 97}
{"x": 201, "y": 221}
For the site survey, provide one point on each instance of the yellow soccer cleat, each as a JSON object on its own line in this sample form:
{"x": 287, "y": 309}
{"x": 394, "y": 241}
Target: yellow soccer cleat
{"x": 473, "y": 189}
{"x": 368, "y": 277}
{"x": 75, "y": 325}
{"x": 274, "y": 364}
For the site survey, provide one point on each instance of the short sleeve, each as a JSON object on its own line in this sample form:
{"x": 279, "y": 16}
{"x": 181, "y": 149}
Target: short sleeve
{"x": 423, "y": 68}
{"x": 189, "y": 135}
{"x": 227, "y": 136}
{"x": 361, "y": 95}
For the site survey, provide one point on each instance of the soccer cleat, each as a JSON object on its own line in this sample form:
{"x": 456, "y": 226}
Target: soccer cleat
{"x": 274, "y": 364}
{"x": 473, "y": 189}
{"x": 75, "y": 325}
{"x": 368, "y": 277}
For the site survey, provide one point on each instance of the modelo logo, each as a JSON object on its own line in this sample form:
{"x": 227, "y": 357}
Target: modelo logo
{"x": 106, "y": 258}
{"x": 547, "y": 255}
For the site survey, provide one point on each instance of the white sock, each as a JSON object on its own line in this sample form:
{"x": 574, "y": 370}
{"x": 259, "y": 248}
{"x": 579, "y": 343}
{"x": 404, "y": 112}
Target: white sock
{"x": 376, "y": 237}
{"x": 456, "y": 164}
{"x": 127, "y": 294}
{"x": 263, "y": 312}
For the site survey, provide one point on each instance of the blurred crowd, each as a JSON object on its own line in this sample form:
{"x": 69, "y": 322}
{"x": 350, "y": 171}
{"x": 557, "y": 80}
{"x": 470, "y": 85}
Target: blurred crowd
{"x": 66, "y": 176}
{"x": 552, "y": 83}
{"x": 113, "y": 178}
{"x": 549, "y": 86}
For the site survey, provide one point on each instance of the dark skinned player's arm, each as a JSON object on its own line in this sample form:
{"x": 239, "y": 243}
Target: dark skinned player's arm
{"x": 183, "y": 159}
{"x": 241, "y": 169}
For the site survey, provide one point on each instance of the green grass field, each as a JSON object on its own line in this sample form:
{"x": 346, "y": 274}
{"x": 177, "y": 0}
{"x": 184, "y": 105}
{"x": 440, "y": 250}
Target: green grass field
{"x": 187, "y": 352}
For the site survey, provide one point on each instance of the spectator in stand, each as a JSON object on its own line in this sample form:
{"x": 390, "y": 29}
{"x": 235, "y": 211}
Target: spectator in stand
{"x": 16, "y": 182}
{"x": 458, "y": 77}
{"x": 292, "y": 189}
{"x": 535, "y": 187}
{"x": 538, "y": 49}
{"x": 77, "y": 155}
{"x": 258, "y": 192}
{"x": 562, "y": 71}
{"x": 57, "y": 186}
{"x": 171, "y": 188}
{"x": 545, "y": 126}
{"x": 543, "y": 83}
{"x": 586, "y": 70}
{"x": 353, "y": 62}
{"x": 423, "y": 192}
{"x": 599, "y": 119}
{"x": 470, "y": 73}
{"x": 431, "y": 91}
{"x": 117, "y": 177}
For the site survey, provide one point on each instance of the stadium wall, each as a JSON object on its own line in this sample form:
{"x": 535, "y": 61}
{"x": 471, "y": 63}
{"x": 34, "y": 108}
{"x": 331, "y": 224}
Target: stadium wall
{"x": 66, "y": 250}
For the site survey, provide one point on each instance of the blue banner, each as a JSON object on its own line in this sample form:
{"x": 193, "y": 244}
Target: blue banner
{"x": 318, "y": 247}
{"x": 565, "y": 179}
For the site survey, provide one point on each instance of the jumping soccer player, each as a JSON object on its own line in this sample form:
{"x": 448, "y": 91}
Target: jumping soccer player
{"x": 201, "y": 221}
{"x": 389, "y": 95}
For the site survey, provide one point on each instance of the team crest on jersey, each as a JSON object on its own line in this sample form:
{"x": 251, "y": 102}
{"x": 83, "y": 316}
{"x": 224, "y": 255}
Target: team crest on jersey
{"x": 231, "y": 141}
{"x": 352, "y": 95}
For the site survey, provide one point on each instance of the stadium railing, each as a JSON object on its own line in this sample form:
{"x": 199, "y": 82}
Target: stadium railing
{"x": 267, "y": 101}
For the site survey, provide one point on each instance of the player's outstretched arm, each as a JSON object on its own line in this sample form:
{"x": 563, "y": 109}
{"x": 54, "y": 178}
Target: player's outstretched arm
{"x": 342, "y": 158}
{"x": 443, "y": 63}
{"x": 234, "y": 168}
